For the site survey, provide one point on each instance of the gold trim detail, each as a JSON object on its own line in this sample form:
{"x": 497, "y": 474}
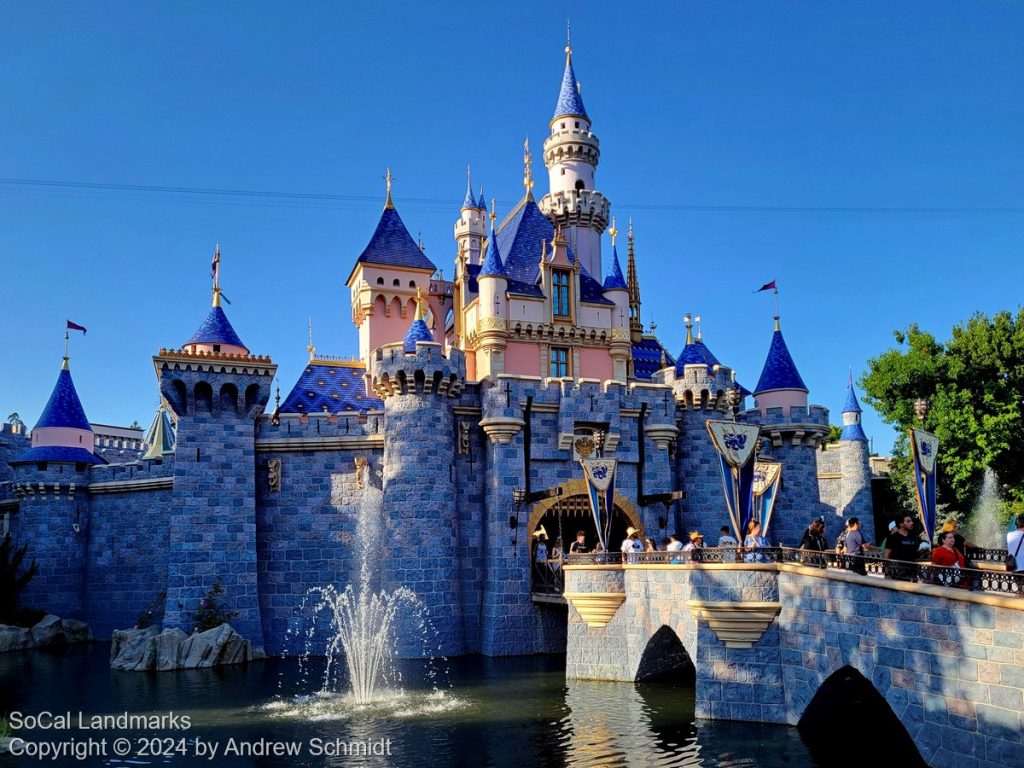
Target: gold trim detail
{"x": 737, "y": 625}
{"x": 491, "y": 324}
{"x": 620, "y": 334}
{"x": 596, "y": 608}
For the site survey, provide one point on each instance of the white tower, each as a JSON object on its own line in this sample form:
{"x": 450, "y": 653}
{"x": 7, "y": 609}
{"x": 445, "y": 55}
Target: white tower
{"x": 471, "y": 227}
{"x": 571, "y": 153}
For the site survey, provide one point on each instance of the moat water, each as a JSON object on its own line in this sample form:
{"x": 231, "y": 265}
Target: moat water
{"x": 484, "y": 712}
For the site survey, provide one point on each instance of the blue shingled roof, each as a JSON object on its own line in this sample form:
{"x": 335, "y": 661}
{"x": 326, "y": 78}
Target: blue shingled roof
{"x": 520, "y": 238}
{"x": 468, "y": 201}
{"x": 615, "y": 280}
{"x": 216, "y": 329}
{"x": 330, "y": 388}
{"x": 851, "y": 405}
{"x": 391, "y": 245}
{"x": 492, "y": 264}
{"x": 64, "y": 409}
{"x": 569, "y": 100}
{"x": 647, "y": 357}
{"x": 418, "y": 331}
{"x": 482, "y": 205}
{"x": 695, "y": 353}
{"x": 853, "y": 432}
{"x": 779, "y": 369}
{"x": 60, "y": 454}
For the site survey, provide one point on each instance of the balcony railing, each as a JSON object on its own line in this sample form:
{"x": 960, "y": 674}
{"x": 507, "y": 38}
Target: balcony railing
{"x": 989, "y": 580}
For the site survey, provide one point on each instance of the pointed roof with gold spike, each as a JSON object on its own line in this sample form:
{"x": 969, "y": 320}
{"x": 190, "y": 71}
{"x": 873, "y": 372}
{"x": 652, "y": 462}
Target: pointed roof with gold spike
{"x": 216, "y": 328}
{"x": 391, "y": 245}
{"x": 418, "y": 331}
{"x": 570, "y": 100}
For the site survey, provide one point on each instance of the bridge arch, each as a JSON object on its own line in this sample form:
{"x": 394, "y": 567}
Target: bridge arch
{"x": 665, "y": 654}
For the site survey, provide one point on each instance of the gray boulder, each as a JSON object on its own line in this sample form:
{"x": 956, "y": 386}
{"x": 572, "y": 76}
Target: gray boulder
{"x": 169, "y": 644}
{"x": 76, "y": 631}
{"x": 133, "y": 649}
{"x": 14, "y": 638}
{"x": 49, "y": 631}
{"x": 220, "y": 645}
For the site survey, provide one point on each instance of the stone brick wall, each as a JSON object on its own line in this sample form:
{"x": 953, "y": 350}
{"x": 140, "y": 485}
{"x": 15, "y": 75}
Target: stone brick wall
{"x": 948, "y": 663}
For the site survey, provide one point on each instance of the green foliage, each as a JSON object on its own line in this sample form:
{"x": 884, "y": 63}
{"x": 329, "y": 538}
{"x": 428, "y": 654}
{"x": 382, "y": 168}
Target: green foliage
{"x": 13, "y": 582}
{"x": 211, "y": 611}
{"x": 5, "y": 727}
{"x": 834, "y": 432}
{"x": 154, "y": 612}
{"x": 975, "y": 384}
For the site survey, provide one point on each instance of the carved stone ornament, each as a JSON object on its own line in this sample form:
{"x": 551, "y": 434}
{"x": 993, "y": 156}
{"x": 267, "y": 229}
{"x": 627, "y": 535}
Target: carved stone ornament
{"x": 361, "y": 467}
{"x": 274, "y": 475}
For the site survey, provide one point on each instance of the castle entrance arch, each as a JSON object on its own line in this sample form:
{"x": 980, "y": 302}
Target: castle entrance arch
{"x": 561, "y": 516}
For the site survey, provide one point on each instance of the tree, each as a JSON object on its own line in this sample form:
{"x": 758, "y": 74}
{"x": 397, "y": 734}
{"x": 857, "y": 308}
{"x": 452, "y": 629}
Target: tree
{"x": 11, "y": 582}
{"x": 975, "y": 384}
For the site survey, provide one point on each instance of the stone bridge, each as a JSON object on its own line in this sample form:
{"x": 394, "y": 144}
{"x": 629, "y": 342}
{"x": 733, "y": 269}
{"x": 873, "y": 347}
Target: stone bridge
{"x": 765, "y": 638}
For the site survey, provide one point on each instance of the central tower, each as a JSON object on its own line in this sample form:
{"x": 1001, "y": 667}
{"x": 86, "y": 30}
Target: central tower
{"x": 571, "y": 153}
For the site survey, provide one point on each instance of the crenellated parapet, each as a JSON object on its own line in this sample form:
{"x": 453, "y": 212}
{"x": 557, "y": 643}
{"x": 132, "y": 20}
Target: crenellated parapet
{"x": 698, "y": 387}
{"x": 577, "y": 208}
{"x": 803, "y": 426}
{"x": 192, "y": 383}
{"x": 428, "y": 370}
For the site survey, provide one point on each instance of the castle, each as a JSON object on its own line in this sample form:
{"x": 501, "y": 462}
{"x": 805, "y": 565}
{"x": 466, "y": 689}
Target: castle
{"x": 459, "y": 428}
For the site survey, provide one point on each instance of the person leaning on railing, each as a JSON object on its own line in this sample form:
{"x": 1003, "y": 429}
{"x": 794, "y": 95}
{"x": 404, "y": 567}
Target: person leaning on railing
{"x": 902, "y": 547}
{"x": 947, "y": 555}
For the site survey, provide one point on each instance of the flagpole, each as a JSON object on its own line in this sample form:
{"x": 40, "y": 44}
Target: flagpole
{"x": 776, "y": 302}
{"x": 67, "y": 336}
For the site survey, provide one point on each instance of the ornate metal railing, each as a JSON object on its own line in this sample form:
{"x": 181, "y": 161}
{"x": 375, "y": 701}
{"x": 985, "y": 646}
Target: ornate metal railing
{"x": 547, "y": 578}
{"x": 1002, "y": 582}
{"x": 982, "y": 555}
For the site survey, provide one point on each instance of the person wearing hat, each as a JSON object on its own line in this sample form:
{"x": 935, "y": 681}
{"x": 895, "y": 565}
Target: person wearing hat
{"x": 696, "y": 542}
{"x": 632, "y": 541}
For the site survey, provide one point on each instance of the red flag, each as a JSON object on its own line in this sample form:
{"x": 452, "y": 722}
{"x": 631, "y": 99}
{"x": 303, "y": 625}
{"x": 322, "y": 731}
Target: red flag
{"x": 76, "y": 327}
{"x": 767, "y": 287}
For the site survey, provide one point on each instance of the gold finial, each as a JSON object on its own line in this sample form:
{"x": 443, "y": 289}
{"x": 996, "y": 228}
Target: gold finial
{"x": 688, "y": 320}
{"x": 777, "y": 326}
{"x": 388, "y": 178}
{"x": 420, "y": 301}
{"x": 494, "y": 212}
{"x": 613, "y": 232}
{"x": 528, "y": 169}
{"x": 311, "y": 349}
{"x": 215, "y": 269}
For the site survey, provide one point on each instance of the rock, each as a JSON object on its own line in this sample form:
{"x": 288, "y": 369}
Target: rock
{"x": 14, "y": 638}
{"x": 220, "y": 645}
{"x": 76, "y": 631}
{"x": 49, "y": 631}
{"x": 133, "y": 649}
{"x": 169, "y": 646}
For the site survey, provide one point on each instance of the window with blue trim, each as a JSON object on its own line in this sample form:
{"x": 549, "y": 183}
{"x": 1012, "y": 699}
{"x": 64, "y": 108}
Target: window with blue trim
{"x": 560, "y": 306}
{"x": 559, "y": 362}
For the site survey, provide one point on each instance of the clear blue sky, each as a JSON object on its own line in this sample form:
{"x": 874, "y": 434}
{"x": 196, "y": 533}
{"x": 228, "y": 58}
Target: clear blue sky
{"x": 868, "y": 156}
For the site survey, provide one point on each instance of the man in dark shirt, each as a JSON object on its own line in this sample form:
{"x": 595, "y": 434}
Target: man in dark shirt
{"x": 579, "y": 547}
{"x": 902, "y": 546}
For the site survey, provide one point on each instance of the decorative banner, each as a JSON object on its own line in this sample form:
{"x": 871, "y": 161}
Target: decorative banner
{"x": 925, "y": 447}
{"x": 767, "y": 478}
{"x": 736, "y": 444}
{"x": 600, "y": 475}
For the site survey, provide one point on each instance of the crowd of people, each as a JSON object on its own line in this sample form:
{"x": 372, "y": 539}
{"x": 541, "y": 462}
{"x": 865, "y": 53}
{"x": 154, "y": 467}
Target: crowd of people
{"x": 902, "y": 549}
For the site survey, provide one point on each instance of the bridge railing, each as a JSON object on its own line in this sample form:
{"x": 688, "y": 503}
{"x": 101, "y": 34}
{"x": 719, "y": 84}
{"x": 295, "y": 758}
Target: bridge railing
{"x": 982, "y": 555}
{"x": 548, "y": 578}
{"x": 996, "y": 581}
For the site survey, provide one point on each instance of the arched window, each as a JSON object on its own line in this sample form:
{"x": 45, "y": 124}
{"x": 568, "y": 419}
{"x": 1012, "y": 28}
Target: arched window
{"x": 380, "y": 281}
{"x": 397, "y": 282}
{"x": 560, "y": 306}
{"x": 580, "y": 185}
{"x": 412, "y": 284}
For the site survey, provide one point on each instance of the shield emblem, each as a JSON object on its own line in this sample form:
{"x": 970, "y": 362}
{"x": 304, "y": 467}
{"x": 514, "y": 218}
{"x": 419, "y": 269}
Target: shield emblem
{"x": 736, "y": 442}
{"x": 926, "y": 446}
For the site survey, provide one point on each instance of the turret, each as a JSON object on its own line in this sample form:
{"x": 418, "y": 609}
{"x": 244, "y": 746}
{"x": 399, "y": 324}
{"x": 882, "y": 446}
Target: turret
{"x": 780, "y": 385}
{"x": 855, "y": 495}
{"x": 471, "y": 226}
{"x": 418, "y": 383}
{"x": 215, "y": 334}
{"x": 63, "y": 433}
{"x": 216, "y": 397}
{"x": 571, "y": 155}
{"x": 615, "y": 289}
{"x": 493, "y": 330}
{"x": 385, "y": 280}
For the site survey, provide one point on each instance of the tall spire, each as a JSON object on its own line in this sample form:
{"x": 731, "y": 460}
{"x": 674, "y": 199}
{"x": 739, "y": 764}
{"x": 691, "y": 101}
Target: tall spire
{"x": 469, "y": 201}
{"x": 636, "y": 327}
{"x": 527, "y": 169}
{"x": 388, "y": 178}
{"x": 215, "y": 273}
{"x": 570, "y": 100}
{"x": 688, "y": 321}
{"x": 311, "y": 349}
{"x": 614, "y": 279}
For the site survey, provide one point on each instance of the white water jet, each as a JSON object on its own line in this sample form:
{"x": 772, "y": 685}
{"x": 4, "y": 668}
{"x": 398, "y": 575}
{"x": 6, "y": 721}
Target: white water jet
{"x": 986, "y": 529}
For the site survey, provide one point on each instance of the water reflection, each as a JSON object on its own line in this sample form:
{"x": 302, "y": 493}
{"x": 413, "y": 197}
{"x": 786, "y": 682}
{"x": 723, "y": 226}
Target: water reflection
{"x": 497, "y": 712}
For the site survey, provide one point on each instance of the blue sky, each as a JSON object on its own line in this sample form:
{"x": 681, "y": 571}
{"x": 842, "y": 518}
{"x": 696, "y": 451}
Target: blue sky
{"x": 868, "y": 156}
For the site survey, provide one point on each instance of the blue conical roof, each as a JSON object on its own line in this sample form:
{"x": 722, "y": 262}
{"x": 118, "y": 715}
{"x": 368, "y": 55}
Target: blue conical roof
{"x": 418, "y": 331}
{"x": 391, "y": 245}
{"x": 64, "y": 409}
{"x": 570, "y": 102}
{"x": 492, "y": 263}
{"x": 216, "y": 329}
{"x": 779, "y": 369}
{"x": 615, "y": 281}
{"x": 695, "y": 353}
{"x": 482, "y": 205}
{"x": 851, "y": 405}
{"x": 469, "y": 201}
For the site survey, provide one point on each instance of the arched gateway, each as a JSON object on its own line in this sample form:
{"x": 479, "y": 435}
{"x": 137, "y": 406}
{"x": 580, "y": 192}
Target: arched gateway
{"x": 565, "y": 514}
